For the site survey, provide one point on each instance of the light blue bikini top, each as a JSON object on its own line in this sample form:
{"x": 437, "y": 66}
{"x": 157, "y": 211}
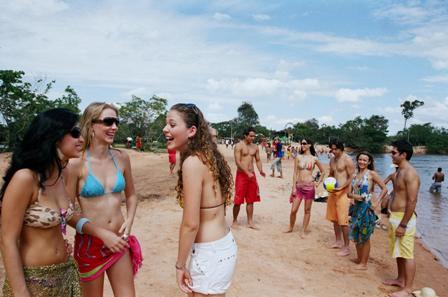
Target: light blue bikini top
{"x": 94, "y": 188}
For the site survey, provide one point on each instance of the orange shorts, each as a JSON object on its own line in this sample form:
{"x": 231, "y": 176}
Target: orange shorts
{"x": 337, "y": 207}
{"x": 246, "y": 189}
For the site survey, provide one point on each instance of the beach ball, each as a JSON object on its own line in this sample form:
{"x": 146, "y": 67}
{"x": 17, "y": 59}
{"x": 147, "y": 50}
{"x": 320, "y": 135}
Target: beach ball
{"x": 330, "y": 183}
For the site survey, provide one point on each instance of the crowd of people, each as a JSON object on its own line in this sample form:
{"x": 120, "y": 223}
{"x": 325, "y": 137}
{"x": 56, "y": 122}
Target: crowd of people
{"x": 63, "y": 161}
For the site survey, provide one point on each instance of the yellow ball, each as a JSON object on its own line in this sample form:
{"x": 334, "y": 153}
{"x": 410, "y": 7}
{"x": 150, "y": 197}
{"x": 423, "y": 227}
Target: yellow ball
{"x": 330, "y": 183}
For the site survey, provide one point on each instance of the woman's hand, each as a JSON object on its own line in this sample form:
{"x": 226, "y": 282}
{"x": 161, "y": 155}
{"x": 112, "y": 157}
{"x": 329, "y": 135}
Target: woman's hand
{"x": 184, "y": 280}
{"x": 112, "y": 241}
{"x": 125, "y": 229}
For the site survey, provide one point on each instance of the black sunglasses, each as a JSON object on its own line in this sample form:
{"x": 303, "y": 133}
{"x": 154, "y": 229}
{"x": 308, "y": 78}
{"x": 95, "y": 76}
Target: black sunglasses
{"x": 304, "y": 143}
{"x": 75, "y": 132}
{"x": 109, "y": 121}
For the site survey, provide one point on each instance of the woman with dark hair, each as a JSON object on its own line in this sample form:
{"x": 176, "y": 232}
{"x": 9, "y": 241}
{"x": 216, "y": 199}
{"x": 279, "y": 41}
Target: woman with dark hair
{"x": 363, "y": 216}
{"x": 204, "y": 191}
{"x": 103, "y": 242}
{"x": 303, "y": 184}
{"x": 36, "y": 208}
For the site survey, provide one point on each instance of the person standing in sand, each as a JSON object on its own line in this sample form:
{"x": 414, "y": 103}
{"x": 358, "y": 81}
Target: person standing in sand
{"x": 303, "y": 184}
{"x": 363, "y": 216}
{"x": 203, "y": 191}
{"x": 246, "y": 186}
{"x": 342, "y": 169}
{"x": 402, "y": 221}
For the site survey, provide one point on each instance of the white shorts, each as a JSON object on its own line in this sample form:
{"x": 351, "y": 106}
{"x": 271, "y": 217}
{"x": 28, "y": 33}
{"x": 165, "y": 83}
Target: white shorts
{"x": 212, "y": 265}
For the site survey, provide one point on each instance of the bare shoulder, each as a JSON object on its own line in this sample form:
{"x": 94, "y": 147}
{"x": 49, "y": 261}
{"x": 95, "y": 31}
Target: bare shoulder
{"x": 24, "y": 176}
{"x": 120, "y": 155}
{"x": 75, "y": 164}
{"x": 192, "y": 164}
{"x": 411, "y": 174}
{"x": 239, "y": 145}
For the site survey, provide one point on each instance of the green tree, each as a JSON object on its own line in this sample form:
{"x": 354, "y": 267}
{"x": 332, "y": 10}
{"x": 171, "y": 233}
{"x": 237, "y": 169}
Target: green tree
{"x": 19, "y": 103}
{"x": 247, "y": 117}
{"x": 138, "y": 116}
{"x": 407, "y": 110}
{"x": 69, "y": 100}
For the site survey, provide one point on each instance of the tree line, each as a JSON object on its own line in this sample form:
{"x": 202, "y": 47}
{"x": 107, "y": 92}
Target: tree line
{"x": 20, "y": 101}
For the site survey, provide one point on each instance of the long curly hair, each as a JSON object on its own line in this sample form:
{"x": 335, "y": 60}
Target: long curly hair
{"x": 311, "y": 143}
{"x": 202, "y": 146}
{"x": 38, "y": 151}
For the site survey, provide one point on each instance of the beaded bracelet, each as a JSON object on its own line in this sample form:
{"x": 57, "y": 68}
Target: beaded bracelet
{"x": 80, "y": 224}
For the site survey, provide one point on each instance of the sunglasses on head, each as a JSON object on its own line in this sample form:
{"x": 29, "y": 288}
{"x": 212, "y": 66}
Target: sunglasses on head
{"x": 75, "y": 132}
{"x": 109, "y": 121}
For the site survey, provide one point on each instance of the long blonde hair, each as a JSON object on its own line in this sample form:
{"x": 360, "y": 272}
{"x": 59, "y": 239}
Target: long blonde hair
{"x": 92, "y": 113}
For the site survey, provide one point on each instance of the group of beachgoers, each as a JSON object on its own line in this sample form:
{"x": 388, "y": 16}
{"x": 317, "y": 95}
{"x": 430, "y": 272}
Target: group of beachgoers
{"x": 350, "y": 205}
{"x": 63, "y": 161}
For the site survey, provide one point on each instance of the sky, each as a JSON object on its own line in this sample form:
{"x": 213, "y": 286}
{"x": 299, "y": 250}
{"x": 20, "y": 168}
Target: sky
{"x": 293, "y": 60}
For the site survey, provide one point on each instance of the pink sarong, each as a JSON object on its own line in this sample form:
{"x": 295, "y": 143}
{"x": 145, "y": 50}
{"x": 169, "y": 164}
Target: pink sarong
{"x": 93, "y": 257}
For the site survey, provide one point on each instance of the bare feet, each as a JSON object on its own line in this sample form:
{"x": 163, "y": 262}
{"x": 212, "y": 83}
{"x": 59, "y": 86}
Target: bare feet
{"x": 252, "y": 226}
{"x": 235, "y": 225}
{"x": 271, "y": 175}
{"x": 280, "y": 176}
{"x": 288, "y": 231}
{"x": 345, "y": 251}
{"x": 360, "y": 267}
{"x": 337, "y": 245}
{"x": 402, "y": 293}
{"x": 393, "y": 282}
{"x": 355, "y": 260}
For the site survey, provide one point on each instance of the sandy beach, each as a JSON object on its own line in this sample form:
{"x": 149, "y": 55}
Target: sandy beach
{"x": 270, "y": 263}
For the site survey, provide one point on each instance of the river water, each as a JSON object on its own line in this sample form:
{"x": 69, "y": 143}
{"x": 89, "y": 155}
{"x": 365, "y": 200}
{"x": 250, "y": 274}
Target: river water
{"x": 432, "y": 209}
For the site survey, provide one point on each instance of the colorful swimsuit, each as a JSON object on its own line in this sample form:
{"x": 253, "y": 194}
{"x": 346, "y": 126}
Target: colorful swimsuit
{"x": 92, "y": 256}
{"x": 363, "y": 216}
{"x": 55, "y": 280}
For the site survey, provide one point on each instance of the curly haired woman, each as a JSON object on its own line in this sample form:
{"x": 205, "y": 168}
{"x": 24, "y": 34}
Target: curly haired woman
{"x": 204, "y": 191}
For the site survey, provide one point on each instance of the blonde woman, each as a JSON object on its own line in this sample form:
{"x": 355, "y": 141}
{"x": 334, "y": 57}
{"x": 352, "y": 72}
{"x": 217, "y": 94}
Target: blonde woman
{"x": 103, "y": 174}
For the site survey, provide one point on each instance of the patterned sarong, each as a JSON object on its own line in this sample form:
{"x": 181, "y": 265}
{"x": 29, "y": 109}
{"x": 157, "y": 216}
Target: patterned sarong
{"x": 57, "y": 280}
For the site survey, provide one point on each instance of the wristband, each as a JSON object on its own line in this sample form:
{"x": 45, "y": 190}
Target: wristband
{"x": 179, "y": 267}
{"x": 80, "y": 224}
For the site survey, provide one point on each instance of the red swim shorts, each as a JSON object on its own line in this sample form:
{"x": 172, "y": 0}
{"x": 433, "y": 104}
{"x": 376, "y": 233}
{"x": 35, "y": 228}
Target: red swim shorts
{"x": 246, "y": 189}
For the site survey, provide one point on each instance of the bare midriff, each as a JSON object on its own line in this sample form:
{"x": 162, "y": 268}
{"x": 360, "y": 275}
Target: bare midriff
{"x": 104, "y": 211}
{"x": 40, "y": 247}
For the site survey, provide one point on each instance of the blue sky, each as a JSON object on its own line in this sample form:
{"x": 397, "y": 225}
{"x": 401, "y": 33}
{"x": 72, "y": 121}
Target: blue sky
{"x": 293, "y": 60}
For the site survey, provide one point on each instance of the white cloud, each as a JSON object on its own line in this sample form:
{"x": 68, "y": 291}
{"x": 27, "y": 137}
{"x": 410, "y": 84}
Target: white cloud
{"x": 33, "y": 7}
{"x": 215, "y": 106}
{"x": 261, "y": 17}
{"x": 221, "y": 17}
{"x": 325, "y": 119}
{"x": 355, "y": 95}
{"x": 403, "y": 13}
{"x": 436, "y": 79}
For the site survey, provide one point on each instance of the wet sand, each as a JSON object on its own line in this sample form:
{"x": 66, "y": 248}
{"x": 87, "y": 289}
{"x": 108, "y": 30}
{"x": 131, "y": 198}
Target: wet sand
{"x": 270, "y": 262}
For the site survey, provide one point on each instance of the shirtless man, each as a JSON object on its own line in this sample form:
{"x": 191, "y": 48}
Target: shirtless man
{"x": 402, "y": 220}
{"x": 438, "y": 178}
{"x": 342, "y": 169}
{"x": 246, "y": 187}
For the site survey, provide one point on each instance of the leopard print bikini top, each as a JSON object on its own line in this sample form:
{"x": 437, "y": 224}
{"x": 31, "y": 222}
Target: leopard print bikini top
{"x": 39, "y": 216}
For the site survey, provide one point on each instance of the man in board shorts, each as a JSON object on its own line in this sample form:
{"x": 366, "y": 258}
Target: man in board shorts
{"x": 342, "y": 169}
{"x": 246, "y": 186}
{"x": 403, "y": 220}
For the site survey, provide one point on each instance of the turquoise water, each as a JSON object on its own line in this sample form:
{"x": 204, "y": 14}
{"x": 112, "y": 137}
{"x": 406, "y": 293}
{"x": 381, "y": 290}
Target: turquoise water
{"x": 432, "y": 209}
